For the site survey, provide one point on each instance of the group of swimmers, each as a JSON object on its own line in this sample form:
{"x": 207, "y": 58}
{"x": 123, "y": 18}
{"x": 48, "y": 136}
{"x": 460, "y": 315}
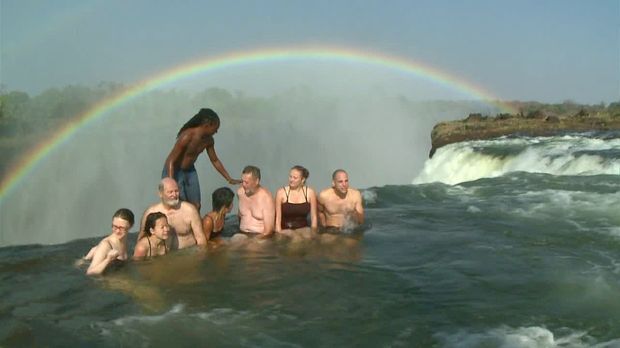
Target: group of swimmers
{"x": 175, "y": 223}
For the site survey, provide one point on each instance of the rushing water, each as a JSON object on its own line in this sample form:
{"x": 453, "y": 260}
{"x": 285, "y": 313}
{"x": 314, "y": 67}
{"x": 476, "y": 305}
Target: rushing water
{"x": 510, "y": 259}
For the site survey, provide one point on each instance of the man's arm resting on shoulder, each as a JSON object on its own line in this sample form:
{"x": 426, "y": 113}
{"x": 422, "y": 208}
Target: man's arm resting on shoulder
{"x": 217, "y": 164}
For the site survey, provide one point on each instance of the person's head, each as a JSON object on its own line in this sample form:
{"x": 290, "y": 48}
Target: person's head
{"x": 122, "y": 221}
{"x": 297, "y": 176}
{"x": 250, "y": 179}
{"x": 222, "y": 198}
{"x": 169, "y": 192}
{"x": 156, "y": 224}
{"x": 206, "y": 118}
{"x": 340, "y": 181}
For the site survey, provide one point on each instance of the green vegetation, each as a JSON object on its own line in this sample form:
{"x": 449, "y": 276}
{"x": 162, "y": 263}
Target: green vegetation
{"x": 27, "y": 120}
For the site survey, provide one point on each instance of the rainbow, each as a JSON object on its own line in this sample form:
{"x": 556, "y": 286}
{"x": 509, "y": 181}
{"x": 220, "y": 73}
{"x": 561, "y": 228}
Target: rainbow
{"x": 21, "y": 170}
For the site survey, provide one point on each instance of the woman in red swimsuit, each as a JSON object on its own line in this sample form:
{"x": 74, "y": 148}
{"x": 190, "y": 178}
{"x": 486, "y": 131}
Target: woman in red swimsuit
{"x": 295, "y": 205}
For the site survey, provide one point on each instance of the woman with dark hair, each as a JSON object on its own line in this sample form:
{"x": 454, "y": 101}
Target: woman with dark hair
{"x": 296, "y": 203}
{"x": 193, "y": 138}
{"x": 213, "y": 221}
{"x": 113, "y": 248}
{"x": 153, "y": 243}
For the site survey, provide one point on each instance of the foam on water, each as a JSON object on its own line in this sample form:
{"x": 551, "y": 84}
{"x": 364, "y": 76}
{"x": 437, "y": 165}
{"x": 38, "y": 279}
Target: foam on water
{"x": 522, "y": 337}
{"x": 175, "y": 310}
{"x": 559, "y": 155}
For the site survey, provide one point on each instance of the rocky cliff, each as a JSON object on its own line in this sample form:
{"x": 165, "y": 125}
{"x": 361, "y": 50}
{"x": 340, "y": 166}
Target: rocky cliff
{"x": 478, "y": 127}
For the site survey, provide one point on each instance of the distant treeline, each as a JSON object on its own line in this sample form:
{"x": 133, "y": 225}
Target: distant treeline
{"x": 565, "y": 109}
{"x": 26, "y": 120}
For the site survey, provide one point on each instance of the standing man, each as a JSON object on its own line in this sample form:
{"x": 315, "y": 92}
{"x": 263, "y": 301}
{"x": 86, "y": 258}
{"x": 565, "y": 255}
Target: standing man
{"x": 194, "y": 137}
{"x": 340, "y": 207}
{"x": 257, "y": 209}
{"x": 183, "y": 218}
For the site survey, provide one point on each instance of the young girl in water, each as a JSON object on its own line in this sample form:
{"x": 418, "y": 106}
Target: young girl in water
{"x": 153, "y": 243}
{"x": 113, "y": 248}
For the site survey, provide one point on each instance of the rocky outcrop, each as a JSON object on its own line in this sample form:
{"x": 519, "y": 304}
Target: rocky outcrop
{"x": 478, "y": 127}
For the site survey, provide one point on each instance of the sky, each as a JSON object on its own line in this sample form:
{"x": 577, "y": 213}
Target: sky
{"x": 548, "y": 51}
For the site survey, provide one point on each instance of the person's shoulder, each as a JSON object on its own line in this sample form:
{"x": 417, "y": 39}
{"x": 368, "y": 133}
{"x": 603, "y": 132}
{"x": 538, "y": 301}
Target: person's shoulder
{"x": 187, "y": 207}
{"x": 209, "y": 216}
{"x": 103, "y": 242}
{"x": 355, "y": 194}
{"x": 141, "y": 243}
{"x": 185, "y": 136}
{"x": 325, "y": 192}
{"x": 141, "y": 246}
{"x": 280, "y": 193}
{"x": 153, "y": 208}
{"x": 311, "y": 192}
{"x": 264, "y": 191}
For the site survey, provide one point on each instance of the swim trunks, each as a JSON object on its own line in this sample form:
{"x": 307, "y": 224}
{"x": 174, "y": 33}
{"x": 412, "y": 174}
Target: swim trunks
{"x": 330, "y": 230}
{"x": 187, "y": 179}
{"x": 295, "y": 215}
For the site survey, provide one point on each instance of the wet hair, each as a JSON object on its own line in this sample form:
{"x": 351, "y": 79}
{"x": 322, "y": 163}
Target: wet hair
{"x": 222, "y": 197}
{"x": 204, "y": 116}
{"x": 336, "y": 173}
{"x": 252, "y": 170}
{"x": 150, "y": 221}
{"x": 304, "y": 172}
{"x": 124, "y": 214}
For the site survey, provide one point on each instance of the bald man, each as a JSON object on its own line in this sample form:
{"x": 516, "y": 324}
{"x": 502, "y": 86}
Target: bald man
{"x": 340, "y": 207}
{"x": 183, "y": 217}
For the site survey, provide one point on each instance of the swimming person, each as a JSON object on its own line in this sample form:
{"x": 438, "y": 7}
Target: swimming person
{"x": 113, "y": 248}
{"x": 256, "y": 206}
{"x": 294, "y": 203}
{"x": 213, "y": 221}
{"x": 193, "y": 138}
{"x": 183, "y": 218}
{"x": 340, "y": 207}
{"x": 153, "y": 243}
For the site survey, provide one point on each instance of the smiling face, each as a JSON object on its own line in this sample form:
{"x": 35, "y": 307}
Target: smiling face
{"x": 161, "y": 228}
{"x": 120, "y": 227}
{"x": 169, "y": 193}
{"x": 249, "y": 183}
{"x": 295, "y": 179}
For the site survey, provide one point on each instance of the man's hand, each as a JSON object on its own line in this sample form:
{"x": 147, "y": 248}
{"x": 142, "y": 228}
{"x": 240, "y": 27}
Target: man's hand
{"x": 234, "y": 181}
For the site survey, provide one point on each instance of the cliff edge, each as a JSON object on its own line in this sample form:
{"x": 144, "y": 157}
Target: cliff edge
{"x": 534, "y": 123}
